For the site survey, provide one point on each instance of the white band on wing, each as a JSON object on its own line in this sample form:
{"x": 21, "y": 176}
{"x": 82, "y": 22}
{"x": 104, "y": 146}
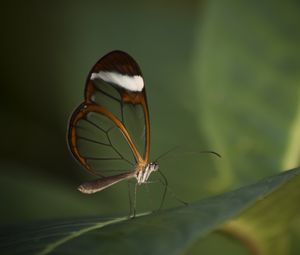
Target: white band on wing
{"x": 132, "y": 83}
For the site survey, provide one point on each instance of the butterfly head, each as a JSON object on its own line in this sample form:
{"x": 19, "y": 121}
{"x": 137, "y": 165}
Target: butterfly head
{"x": 153, "y": 166}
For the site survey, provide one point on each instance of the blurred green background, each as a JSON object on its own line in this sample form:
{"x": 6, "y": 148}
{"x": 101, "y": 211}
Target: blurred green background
{"x": 220, "y": 75}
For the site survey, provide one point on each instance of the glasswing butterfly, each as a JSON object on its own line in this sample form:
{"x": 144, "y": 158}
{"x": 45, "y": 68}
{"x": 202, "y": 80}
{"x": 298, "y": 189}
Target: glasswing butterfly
{"x": 109, "y": 133}
{"x": 112, "y": 124}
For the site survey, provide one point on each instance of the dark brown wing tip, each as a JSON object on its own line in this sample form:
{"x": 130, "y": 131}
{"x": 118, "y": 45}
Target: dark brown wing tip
{"x": 118, "y": 61}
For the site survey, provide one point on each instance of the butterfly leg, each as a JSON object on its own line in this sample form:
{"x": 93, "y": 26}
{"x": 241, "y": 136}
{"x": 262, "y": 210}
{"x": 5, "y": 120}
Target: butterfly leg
{"x": 130, "y": 199}
{"x": 165, "y": 183}
{"x": 134, "y": 201}
{"x": 148, "y": 193}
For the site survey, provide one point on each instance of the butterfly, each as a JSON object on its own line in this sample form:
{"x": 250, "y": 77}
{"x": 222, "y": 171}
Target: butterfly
{"x": 113, "y": 118}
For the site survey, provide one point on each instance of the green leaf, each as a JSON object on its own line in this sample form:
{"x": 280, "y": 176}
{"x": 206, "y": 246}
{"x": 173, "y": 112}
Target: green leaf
{"x": 266, "y": 224}
{"x": 168, "y": 232}
{"x": 264, "y": 228}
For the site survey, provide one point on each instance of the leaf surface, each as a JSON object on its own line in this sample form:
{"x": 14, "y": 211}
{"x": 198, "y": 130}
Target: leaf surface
{"x": 168, "y": 232}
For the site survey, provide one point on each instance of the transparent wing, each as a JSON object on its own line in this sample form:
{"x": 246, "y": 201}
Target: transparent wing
{"x": 109, "y": 132}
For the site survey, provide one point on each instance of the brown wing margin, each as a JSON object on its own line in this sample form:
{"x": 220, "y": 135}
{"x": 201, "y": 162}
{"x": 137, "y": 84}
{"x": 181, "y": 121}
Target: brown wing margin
{"x": 120, "y": 62}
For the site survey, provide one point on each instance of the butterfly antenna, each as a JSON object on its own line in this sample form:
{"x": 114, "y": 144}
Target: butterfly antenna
{"x": 166, "y": 153}
{"x": 211, "y": 152}
{"x": 174, "y": 148}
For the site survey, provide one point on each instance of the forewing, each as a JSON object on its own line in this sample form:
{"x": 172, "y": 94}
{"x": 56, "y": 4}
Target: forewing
{"x": 109, "y": 132}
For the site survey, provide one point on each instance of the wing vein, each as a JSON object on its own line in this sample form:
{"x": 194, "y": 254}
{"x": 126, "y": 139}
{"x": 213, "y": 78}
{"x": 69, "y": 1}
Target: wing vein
{"x": 106, "y": 94}
{"x": 95, "y": 125}
{"x": 92, "y": 141}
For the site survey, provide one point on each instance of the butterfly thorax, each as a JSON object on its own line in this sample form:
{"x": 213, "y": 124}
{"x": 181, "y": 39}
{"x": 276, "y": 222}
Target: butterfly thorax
{"x": 143, "y": 174}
